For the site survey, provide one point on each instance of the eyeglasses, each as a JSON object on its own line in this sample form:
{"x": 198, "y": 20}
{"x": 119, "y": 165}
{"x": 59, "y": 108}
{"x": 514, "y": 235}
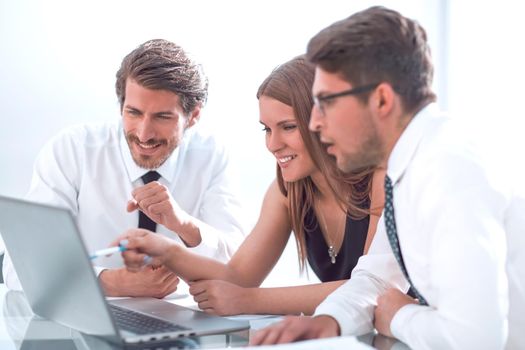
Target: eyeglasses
{"x": 320, "y": 101}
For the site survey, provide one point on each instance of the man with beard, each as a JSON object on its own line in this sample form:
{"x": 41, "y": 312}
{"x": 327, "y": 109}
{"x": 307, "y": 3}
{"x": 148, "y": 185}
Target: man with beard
{"x": 453, "y": 229}
{"x": 153, "y": 169}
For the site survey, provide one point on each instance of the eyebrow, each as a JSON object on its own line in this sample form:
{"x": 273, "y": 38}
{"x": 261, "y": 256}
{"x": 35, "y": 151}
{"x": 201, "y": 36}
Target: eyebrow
{"x": 282, "y": 122}
{"x": 131, "y": 107}
{"x": 156, "y": 113}
{"x": 286, "y": 121}
{"x": 164, "y": 113}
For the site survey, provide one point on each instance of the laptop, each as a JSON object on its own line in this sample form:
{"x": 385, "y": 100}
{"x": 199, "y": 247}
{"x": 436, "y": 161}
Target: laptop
{"x": 60, "y": 284}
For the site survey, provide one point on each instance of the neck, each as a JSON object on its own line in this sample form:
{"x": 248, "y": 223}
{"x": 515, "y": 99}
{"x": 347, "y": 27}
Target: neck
{"x": 394, "y": 130}
{"x": 325, "y": 192}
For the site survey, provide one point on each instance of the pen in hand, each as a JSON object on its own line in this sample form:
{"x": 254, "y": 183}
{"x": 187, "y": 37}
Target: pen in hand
{"x": 120, "y": 248}
{"x": 107, "y": 252}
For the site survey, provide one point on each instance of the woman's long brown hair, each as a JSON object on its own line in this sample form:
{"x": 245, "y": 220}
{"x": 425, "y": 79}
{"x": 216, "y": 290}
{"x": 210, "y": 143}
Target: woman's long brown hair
{"x": 291, "y": 83}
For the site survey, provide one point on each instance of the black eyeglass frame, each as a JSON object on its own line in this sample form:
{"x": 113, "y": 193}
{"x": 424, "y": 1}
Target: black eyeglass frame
{"x": 353, "y": 91}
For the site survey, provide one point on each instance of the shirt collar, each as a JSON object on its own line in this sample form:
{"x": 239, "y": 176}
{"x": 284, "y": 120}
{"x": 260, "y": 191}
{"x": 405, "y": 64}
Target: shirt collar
{"x": 166, "y": 170}
{"x": 408, "y": 142}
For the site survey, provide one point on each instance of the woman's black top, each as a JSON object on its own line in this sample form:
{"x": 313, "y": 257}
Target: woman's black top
{"x": 351, "y": 249}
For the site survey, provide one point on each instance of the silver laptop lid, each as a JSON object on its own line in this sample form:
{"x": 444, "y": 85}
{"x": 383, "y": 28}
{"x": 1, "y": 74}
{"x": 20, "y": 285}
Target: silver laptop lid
{"x": 59, "y": 282}
{"x": 53, "y": 266}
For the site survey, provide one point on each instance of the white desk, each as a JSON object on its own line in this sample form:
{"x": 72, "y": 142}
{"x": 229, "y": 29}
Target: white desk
{"x": 20, "y": 329}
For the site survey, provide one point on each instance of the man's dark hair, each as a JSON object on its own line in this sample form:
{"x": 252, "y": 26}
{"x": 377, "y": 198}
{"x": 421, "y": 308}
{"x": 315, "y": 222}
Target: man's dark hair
{"x": 162, "y": 65}
{"x": 378, "y": 45}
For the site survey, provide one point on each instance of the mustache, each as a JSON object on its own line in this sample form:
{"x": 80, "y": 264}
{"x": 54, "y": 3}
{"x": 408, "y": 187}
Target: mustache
{"x": 150, "y": 142}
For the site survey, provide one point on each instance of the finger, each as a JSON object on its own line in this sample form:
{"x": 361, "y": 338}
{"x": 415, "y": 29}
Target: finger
{"x": 258, "y": 337}
{"x": 147, "y": 191}
{"x": 175, "y": 280}
{"x": 203, "y": 297}
{"x": 117, "y": 241}
{"x": 160, "y": 208}
{"x": 205, "y": 304}
{"x": 130, "y": 235}
{"x": 197, "y": 288}
{"x": 292, "y": 328}
{"x": 157, "y": 198}
{"x": 137, "y": 242}
{"x": 211, "y": 311}
{"x": 199, "y": 298}
{"x": 141, "y": 189}
{"x": 168, "y": 275}
{"x": 270, "y": 336}
{"x": 171, "y": 284}
{"x": 132, "y": 205}
{"x": 133, "y": 259}
{"x": 291, "y": 333}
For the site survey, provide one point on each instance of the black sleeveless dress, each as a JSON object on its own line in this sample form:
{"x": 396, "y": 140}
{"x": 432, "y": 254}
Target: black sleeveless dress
{"x": 351, "y": 249}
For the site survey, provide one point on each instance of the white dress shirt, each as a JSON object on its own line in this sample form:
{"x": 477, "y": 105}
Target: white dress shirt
{"x": 462, "y": 235}
{"x": 89, "y": 169}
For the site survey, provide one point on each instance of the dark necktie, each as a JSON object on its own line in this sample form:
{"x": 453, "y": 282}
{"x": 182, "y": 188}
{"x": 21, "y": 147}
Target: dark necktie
{"x": 144, "y": 221}
{"x": 391, "y": 232}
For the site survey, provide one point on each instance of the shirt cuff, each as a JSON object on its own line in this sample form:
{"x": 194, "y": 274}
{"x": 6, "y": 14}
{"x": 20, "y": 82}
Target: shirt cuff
{"x": 209, "y": 245}
{"x": 98, "y": 270}
{"x": 399, "y": 323}
{"x": 336, "y": 312}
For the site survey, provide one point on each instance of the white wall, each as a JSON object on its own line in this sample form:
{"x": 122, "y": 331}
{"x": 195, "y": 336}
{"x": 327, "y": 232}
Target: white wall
{"x": 59, "y": 58}
{"x": 486, "y": 74}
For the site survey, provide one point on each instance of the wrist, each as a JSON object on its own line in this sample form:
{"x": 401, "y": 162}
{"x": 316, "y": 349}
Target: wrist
{"x": 248, "y": 300}
{"x": 178, "y": 221}
{"x": 254, "y": 301}
{"x": 172, "y": 253}
{"x": 329, "y": 324}
{"x": 188, "y": 231}
{"x": 110, "y": 282}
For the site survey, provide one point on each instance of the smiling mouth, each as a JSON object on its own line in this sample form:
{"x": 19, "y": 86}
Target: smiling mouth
{"x": 285, "y": 160}
{"x": 148, "y": 145}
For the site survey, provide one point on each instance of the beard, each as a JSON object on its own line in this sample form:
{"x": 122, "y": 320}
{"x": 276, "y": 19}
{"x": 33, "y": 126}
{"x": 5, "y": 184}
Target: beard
{"x": 369, "y": 155}
{"x": 155, "y": 160}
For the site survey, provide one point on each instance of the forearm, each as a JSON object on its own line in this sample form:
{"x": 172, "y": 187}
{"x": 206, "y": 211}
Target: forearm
{"x": 289, "y": 300}
{"x": 193, "y": 267}
{"x": 207, "y": 240}
{"x": 189, "y": 231}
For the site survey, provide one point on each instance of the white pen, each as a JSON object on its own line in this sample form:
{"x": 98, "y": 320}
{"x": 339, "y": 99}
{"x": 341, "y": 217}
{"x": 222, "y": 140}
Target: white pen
{"x": 106, "y": 251}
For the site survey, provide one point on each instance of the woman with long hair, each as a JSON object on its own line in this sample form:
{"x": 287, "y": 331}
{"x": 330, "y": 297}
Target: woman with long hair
{"x": 333, "y": 216}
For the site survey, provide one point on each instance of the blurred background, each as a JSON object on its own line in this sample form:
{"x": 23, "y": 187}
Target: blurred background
{"x": 58, "y": 61}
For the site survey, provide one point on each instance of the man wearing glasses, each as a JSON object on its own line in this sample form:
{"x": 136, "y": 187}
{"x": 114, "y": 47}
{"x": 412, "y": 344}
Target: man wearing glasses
{"x": 450, "y": 230}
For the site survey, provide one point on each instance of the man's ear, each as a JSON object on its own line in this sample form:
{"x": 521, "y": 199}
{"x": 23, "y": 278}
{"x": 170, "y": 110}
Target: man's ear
{"x": 194, "y": 117}
{"x": 383, "y": 99}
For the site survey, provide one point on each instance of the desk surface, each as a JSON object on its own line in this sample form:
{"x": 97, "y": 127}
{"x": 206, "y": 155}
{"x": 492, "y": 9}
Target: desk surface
{"x": 21, "y": 329}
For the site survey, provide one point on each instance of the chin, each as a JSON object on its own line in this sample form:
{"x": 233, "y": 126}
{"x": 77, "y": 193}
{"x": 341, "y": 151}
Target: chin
{"x": 345, "y": 165}
{"x": 292, "y": 177}
{"x": 148, "y": 162}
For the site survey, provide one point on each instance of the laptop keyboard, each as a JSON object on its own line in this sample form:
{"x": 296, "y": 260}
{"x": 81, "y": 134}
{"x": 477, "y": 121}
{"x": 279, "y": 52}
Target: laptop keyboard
{"x": 141, "y": 324}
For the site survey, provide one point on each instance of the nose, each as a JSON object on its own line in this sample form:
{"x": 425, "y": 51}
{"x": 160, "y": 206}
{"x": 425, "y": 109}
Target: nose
{"x": 145, "y": 129}
{"x": 274, "y": 142}
{"x": 316, "y": 118}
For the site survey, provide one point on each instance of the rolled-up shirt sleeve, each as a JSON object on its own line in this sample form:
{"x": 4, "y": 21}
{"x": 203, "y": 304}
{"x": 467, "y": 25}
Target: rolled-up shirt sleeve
{"x": 221, "y": 224}
{"x": 352, "y": 305}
